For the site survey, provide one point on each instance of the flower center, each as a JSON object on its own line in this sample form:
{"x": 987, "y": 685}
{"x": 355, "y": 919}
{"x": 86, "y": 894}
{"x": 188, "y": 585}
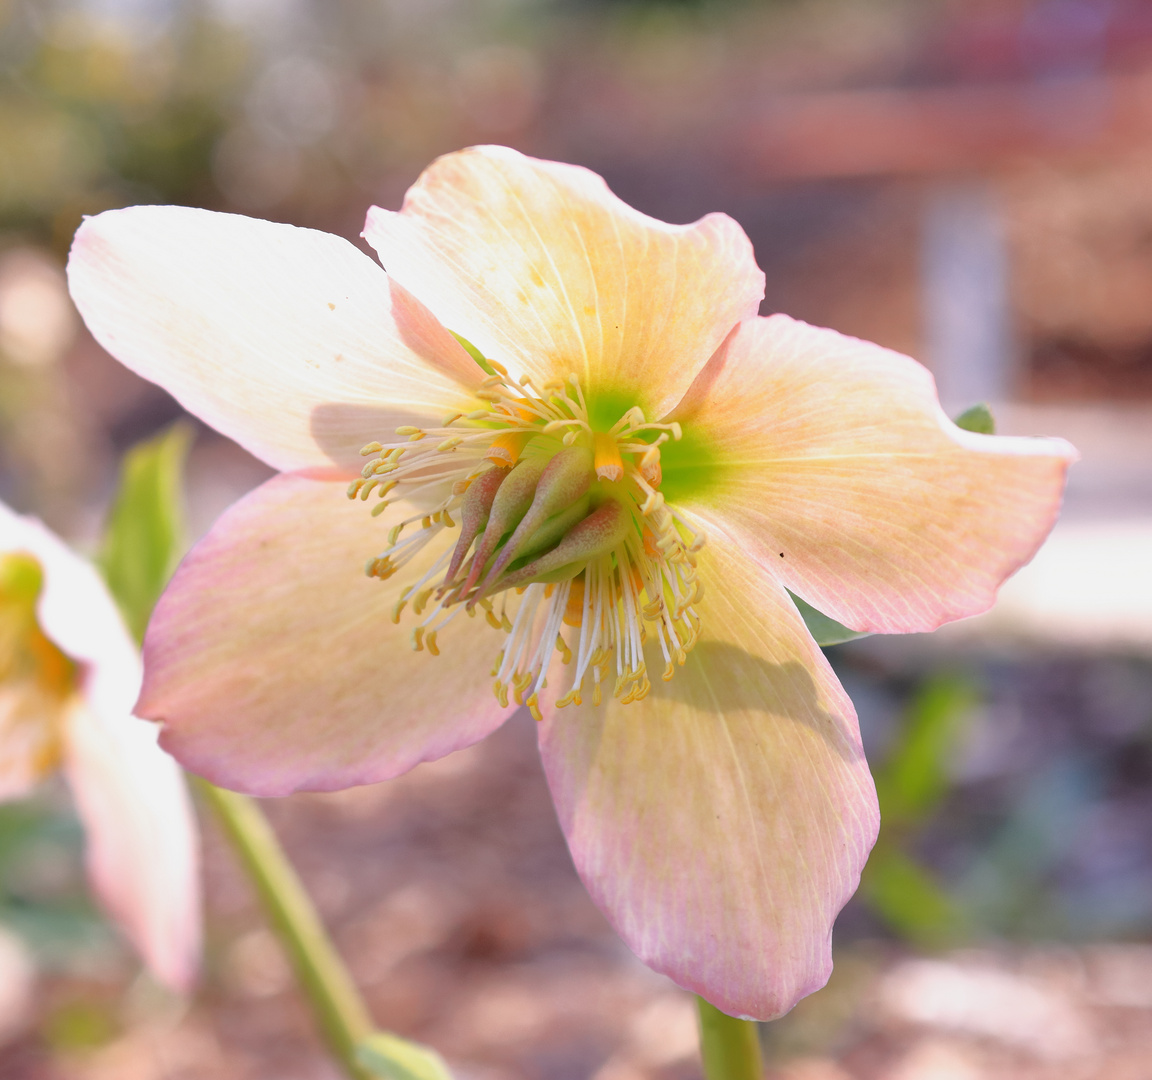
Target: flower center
{"x": 36, "y": 679}
{"x": 565, "y": 518}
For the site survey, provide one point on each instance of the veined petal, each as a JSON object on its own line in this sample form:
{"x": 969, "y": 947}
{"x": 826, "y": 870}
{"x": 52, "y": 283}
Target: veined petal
{"x": 288, "y": 340}
{"x": 274, "y": 664}
{"x": 544, "y": 269}
{"x": 141, "y": 844}
{"x": 722, "y": 822}
{"x": 831, "y": 459}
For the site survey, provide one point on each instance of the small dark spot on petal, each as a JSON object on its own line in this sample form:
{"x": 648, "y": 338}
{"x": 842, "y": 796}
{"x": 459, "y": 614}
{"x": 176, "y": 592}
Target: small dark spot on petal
{"x": 781, "y": 554}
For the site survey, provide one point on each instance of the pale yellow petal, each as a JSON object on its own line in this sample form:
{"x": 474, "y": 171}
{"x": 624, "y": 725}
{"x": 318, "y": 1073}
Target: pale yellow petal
{"x": 542, "y": 268}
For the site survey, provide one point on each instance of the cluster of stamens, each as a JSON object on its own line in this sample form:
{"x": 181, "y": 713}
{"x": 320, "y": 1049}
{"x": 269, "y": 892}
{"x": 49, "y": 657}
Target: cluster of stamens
{"x": 568, "y": 520}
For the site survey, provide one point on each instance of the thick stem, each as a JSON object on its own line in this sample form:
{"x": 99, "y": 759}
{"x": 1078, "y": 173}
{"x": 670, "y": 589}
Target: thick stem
{"x": 730, "y": 1047}
{"x": 341, "y": 1012}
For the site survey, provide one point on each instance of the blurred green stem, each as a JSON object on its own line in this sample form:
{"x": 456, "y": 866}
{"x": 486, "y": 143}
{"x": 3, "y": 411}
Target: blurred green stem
{"x": 730, "y": 1047}
{"x": 336, "y": 1002}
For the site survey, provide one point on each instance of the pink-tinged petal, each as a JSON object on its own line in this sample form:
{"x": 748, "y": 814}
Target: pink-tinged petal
{"x": 722, "y": 822}
{"x": 832, "y": 461}
{"x": 274, "y": 664}
{"x": 290, "y": 341}
{"x": 142, "y": 849}
{"x": 541, "y": 267}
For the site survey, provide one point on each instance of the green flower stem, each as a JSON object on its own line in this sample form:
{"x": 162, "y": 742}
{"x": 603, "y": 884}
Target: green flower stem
{"x": 730, "y": 1047}
{"x": 336, "y": 1002}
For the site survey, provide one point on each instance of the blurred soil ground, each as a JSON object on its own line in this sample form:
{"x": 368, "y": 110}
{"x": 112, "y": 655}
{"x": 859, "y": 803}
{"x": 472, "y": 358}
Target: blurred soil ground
{"x": 452, "y": 895}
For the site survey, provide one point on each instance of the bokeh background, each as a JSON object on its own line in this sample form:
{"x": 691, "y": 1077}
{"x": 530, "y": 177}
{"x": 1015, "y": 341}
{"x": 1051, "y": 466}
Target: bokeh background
{"x": 969, "y": 182}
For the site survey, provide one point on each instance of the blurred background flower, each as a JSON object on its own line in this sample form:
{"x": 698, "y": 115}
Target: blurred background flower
{"x": 969, "y": 182}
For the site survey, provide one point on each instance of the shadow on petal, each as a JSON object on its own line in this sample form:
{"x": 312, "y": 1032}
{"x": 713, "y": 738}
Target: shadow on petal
{"x": 722, "y": 678}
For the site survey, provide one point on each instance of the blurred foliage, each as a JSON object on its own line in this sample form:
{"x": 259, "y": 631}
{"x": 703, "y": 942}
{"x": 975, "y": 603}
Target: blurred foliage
{"x": 80, "y": 1024}
{"x": 42, "y": 893}
{"x": 978, "y": 418}
{"x": 94, "y": 116}
{"x": 144, "y": 535}
{"x": 826, "y": 630}
{"x": 911, "y": 783}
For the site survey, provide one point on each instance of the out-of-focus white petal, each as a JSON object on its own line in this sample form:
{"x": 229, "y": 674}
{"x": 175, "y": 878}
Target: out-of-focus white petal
{"x": 141, "y": 835}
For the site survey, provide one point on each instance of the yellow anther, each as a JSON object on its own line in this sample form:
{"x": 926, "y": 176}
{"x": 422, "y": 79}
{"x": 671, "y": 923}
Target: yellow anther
{"x": 492, "y": 620}
{"x": 501, "y": 691}
{"x": 354, "y": 488}
{"x": 417, "y": 638}
{"x": 507, "y": 447}
{"x": 496, "y": 666}
{"x": 446, "y": 520}
{"x": 421, "y": 600}
{"x": 479, "y": 414}
{"x": 562, "y": 648}
{"x": 450, "y": 443}
{"x": 366, "y": 489}
{"x": 677, "y": 433}
{"x": 498, "y": 367}
{"x": 534, "y": 708}
{"x": 606, "y": 457}
{"x": 450, "y": 419}
{"x": 398, "y": 607}
{"x": 571, "y": 437}
{"x": 371, "y": 448}
{"x": 430, "y": 642}
{"x": 394, "y": 534}
{"x": 699, "y": 595}
{"x": 489, "y": 395}
{"x": 698, "y": 543}
{"x": 426, "y": 522}
{"x": 461, "y": 486}
{"x": 409, "y": 429}
{"x": 492, "y": 380}
{"x": 416, "y": 436}
{"x": 379, "y": 508}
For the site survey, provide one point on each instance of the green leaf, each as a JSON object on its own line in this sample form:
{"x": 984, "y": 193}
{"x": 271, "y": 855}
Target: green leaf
{"x": 144, "y": 535}
{"x": 394, "y": 1058}
{"x": 825, "y": 630}
{"x": 908, "y": 898}
{"x": 978, "y": 418}
{"x": 475, "y": 353}
{"x": 915, "y": 777}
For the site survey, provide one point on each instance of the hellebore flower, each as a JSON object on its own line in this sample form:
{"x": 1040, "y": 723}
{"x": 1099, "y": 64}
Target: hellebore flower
{"x": 599, "y": 520}
{"x": 69, "y": 674}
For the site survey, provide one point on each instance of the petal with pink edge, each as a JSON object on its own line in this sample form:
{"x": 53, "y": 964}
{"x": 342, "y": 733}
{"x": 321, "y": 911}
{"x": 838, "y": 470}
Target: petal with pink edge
{"x": 288, "y": 340}
{"x": 275, "y": 666}
{"x": 831, "y": 459}
{"x": 140, "y": 838}
{"x": 542, "y": 268}
{"x": 722, "y": 822}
